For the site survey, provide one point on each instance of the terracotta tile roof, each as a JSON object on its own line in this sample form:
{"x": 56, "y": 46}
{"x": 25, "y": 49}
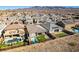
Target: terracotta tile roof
{"x": 14, "y": 26}
{"x": 35, "y": 29}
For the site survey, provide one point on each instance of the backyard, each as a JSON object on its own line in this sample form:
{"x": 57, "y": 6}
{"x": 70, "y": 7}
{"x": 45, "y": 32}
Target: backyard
{"x": 65, "y": 44}
{"x": 12, "y": 43}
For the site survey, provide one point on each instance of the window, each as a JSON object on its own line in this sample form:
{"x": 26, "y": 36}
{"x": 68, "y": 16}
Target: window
{"x": 34, "y": 21}
{"x": 10, "y": 36}
{"x": 39, "y": 33}
{"x": 30, "y": 23}
{"x": 16, "y": 35}
{"x": 56, "y": 30}
{"x": 40, "y": 21}
{"x": 16, "y": 23}
{"x": 12, "y": 23}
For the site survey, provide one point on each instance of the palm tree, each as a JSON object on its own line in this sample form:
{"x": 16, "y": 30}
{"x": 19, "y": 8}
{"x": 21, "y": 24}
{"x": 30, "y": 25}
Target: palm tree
{"x": 23, "y": 18}
{"x": 26, "y": 34}
{"x": 2, "y": 35}
{"x": 26, "y": 40}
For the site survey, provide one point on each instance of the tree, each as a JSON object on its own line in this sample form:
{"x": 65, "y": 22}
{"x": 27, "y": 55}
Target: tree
{"x": 34, "y": 21}
{"x": 2, "y": 34}
{"x": 26, "y": 40}
{"x": 23, "y": 19}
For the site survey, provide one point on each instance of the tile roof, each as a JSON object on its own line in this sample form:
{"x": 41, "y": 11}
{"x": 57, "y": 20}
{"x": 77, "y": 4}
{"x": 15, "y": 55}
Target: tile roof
{"x": 35, "y": 28}
{"x": 14, "y": 26}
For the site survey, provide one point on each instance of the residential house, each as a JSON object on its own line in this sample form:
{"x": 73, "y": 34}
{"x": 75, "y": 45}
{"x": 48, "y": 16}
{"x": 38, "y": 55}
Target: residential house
{"x": 69, "y": 23}
{"x": 14, "y": 32}
{"x": 29, "y": 20}
{"x": 51, "y": 27}
{"x": 35, "y": 30}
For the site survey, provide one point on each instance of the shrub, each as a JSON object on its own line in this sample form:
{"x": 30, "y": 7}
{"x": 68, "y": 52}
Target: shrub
{"x": 41, "y": 38}
{"x": 72, "y": 43}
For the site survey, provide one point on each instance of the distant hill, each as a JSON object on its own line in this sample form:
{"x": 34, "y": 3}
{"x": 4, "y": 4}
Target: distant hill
{"x": 54, "y": 7}
{"x": 48, "y": 7}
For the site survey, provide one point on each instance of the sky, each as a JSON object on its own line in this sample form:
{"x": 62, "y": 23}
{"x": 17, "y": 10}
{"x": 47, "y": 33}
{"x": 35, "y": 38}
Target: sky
{"x": 12, "y": 7}
{"x": 38, "y": 2}
{"x": 15, "y": 4}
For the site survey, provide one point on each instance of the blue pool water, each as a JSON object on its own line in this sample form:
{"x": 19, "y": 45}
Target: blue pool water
{"x": 11, "y": 40}
{"x": 76, "y": 30}
{"x": 34, "y": 40}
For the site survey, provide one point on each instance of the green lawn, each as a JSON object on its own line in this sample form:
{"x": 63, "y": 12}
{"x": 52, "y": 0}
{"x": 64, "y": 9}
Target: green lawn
{"x": 4, "y": 46}
{"x": 62, "y": 34}
{"x": 41, "y": 38}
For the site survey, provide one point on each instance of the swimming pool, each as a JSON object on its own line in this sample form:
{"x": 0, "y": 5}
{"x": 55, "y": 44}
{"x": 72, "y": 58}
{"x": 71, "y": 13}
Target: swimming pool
{"x": 76, "y": 30}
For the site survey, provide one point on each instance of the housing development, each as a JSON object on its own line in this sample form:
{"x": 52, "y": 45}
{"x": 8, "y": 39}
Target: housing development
{"x": 33, "y": 28}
